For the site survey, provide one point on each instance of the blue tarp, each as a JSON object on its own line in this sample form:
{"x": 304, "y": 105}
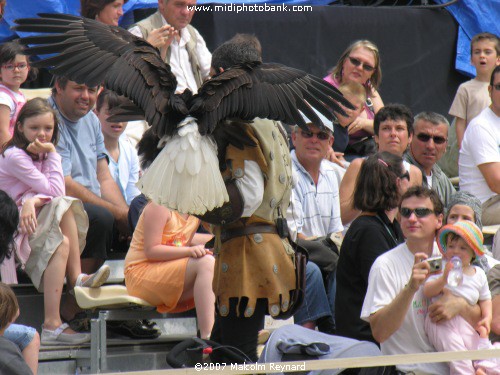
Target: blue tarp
{"x": 473, "y": 17}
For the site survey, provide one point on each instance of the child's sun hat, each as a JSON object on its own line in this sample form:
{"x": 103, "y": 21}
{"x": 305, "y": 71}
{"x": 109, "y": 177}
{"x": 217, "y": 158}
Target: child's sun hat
{"x": 468, "y": 231}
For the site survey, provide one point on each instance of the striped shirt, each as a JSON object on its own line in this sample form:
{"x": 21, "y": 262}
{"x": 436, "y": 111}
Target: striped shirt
{"x": 315, "y": 209}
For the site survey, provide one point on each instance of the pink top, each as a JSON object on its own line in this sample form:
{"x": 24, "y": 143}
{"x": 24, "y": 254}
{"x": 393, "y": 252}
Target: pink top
{"x": 22, "y": 178}
{"x": 354, "y": 137}
{"x": 19, "y": 100}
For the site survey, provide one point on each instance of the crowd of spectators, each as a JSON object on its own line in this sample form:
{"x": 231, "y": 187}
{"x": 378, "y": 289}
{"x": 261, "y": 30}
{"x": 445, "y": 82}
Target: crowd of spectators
{"x": 367, "y": 201}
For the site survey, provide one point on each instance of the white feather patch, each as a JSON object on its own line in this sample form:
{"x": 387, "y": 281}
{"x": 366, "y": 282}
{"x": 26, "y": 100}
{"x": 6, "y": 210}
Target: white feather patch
{"x": 185, "y": 175}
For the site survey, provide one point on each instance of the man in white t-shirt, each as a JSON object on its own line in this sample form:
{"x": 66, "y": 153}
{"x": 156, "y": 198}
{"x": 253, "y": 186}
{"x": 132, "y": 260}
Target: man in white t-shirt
{"x": 479, "y": 160}
{"x": 394, "y": 303}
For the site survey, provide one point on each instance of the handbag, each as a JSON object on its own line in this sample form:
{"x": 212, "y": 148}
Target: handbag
{"x": 297, "y": 295}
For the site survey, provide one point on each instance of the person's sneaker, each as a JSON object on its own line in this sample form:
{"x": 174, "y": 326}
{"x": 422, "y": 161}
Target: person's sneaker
{"x": 58, "y": 337}
{"x": 134, "y": 329}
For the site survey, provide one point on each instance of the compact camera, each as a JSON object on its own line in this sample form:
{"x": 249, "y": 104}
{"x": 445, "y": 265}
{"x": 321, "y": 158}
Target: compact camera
{"x": 436, "y": 264}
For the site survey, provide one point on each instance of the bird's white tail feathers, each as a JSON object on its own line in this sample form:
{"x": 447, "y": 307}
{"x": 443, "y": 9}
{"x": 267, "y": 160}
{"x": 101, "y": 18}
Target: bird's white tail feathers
{"x": 185, "y": 175}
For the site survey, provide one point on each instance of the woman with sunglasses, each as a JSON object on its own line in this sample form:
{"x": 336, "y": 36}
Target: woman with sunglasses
{"x": 360, "y": 63}
{"x": 380, "y": 184}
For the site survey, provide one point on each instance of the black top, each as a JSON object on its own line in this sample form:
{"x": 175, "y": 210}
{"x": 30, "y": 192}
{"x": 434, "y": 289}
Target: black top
{"x": 366, "y": 239}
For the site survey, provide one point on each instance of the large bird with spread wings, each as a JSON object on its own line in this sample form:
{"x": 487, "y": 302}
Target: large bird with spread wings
{"x": 185, "y": 176}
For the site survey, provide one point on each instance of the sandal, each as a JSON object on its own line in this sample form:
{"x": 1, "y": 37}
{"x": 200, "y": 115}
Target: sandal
{"x": 58, "y": 337}
{"x": 96, "y": 279}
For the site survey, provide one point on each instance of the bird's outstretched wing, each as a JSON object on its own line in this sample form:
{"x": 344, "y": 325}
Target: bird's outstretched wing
{"x": 272, "y": 91}
{"x": 90, "y": 52}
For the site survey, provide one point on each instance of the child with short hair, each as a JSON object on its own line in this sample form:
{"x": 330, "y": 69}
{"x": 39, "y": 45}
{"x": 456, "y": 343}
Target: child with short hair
{"x": 123, "y": 160}
{"x": 463, "y": 239}
{"x": 356, "y": 94}
{"x": 472, "y": 96}
{"x": 11, "y": 360}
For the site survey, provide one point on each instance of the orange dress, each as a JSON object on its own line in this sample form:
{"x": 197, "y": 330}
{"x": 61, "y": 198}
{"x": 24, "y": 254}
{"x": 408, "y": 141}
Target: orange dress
{"x": 160, "y": 283}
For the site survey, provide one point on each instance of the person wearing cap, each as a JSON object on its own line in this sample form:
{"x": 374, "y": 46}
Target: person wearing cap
{"x": 464, "y": 240}
{"x": 314, "y": 212}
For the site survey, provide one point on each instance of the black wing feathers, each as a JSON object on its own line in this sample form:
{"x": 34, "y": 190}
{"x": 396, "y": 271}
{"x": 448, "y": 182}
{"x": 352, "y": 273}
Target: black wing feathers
{"x": 269, "y": 91}
{"x": 90, "y": 52}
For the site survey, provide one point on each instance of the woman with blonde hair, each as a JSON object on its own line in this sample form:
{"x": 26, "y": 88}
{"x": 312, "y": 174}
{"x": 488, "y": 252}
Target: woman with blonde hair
{"x": 360, "y": 63}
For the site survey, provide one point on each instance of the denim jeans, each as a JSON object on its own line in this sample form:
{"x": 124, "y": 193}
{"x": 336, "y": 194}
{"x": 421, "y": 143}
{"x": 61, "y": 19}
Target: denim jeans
{"x": 315, "y": 304}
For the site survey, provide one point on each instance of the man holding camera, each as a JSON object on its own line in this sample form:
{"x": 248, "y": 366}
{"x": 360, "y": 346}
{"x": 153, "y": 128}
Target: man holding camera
{"x": 394, "y": 303}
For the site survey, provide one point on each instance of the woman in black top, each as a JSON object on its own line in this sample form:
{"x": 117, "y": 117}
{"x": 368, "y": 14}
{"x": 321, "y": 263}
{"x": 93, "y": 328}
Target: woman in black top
{"x": 381, "y": 182}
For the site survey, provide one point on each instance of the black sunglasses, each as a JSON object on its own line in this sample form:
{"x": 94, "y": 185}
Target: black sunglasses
{"x": 405, "y": 175}
{"x": 354, "y": 61}
{"x": 497, "y": 87}
{"x": 323, "y": 136}
{"x": 419, "y": 212}
{"x": 426, "y": 138}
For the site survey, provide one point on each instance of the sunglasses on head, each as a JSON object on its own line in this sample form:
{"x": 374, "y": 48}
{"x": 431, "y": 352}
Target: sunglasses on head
{"x": 405, "y": 175}
{"x": 367, "y": 68}
{"x": 497, "y": 87}
{"x": 426, "y": 138}
{"x": 419, "y": 212}
{"x": 323, "y": 136}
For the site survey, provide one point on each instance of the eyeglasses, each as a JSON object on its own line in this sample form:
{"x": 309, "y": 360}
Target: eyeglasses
{"x": 405, "y": 175}
{"x": 367, "y": 68}
{"x": 419, "y": 212}
{"x": 323, "y": 136}
{"x": 426, "y": 138}
{"x": 497, "y": 87}
{"x": 11, "y": 67}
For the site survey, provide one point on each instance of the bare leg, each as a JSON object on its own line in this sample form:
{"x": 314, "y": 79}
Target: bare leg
{"x": 198, "y": 284}
{"x": 53, "y": 281}
{"x": 30, "y": 353}
{"x": 69, "y": 229}
{"x": 70, "y": 307}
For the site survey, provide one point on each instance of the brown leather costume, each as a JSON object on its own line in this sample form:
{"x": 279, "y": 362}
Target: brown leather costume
{"x": 259, "y": 264}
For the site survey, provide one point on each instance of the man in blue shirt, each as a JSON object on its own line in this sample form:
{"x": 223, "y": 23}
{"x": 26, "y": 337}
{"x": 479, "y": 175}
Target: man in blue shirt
{"x": 86, "y": 173}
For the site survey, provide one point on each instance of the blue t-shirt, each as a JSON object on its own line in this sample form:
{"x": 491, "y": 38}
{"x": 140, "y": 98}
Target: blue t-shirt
{"x": 81, "y": 145}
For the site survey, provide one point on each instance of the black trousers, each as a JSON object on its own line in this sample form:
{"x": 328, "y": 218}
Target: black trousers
{"x": 238, "y": 331}
{"x": 100, "y": 233}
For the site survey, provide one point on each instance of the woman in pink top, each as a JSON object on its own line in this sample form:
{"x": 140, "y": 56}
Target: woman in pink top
{"x": 52, "y": 227}
{"x": 360, "y": 63}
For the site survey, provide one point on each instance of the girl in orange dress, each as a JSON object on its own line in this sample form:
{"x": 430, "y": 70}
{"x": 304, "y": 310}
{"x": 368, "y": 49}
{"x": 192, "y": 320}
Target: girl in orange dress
{"x": 168, "y": 265}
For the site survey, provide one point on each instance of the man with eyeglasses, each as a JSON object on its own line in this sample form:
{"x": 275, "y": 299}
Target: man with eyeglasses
{"x": 394, "y": 303}
{"x": 479, "y": 160}
{"x": 314, "y": 212}
{"x": 427, "y": 147}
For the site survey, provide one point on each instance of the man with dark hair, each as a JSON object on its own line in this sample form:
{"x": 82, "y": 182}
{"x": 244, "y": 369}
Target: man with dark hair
{"x": 479, "y": 162}
{"x": 427, "y": 146}
{"x": 180, "y": 44}
{"x": 86, "y": 172}
{"x": 394, "y": 303}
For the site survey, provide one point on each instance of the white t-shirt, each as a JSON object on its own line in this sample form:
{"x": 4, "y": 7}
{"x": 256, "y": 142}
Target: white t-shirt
{"x": 388, "y": 276}
{"x": 473, "y": 288}
{"x": 480, "y": 146}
